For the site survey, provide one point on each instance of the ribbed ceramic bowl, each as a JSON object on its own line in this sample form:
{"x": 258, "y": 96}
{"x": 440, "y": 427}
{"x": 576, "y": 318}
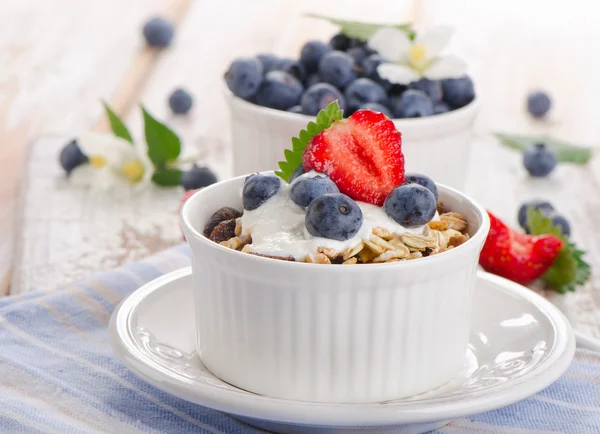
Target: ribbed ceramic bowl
{"x": 331, "y": 333}
{"x": 434, "y": 145}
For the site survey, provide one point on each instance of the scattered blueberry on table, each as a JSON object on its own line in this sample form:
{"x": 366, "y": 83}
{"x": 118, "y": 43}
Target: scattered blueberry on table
{"x": 538, "y": 104}
{"x": 547, "y": 210}
{"x": 539, "y": 160}
{"x": 180, "y": 101}
{"x": 71, "y": 157}
{"x": 198, "y": 177}
{"x": 158, "y": 32}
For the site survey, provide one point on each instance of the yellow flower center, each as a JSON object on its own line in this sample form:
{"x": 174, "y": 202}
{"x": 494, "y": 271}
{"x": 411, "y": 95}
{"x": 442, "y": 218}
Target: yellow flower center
{"x": 416, "y": 54}
{"x": 134, "y": 170}
{"x": 97, "y": 161}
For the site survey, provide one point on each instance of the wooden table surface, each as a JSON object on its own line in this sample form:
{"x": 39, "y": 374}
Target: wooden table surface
{"x": 60, "y": 57}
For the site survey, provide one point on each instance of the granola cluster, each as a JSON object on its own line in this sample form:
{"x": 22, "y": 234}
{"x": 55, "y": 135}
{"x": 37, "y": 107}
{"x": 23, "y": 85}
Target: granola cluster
{"x": 382, "y": 246}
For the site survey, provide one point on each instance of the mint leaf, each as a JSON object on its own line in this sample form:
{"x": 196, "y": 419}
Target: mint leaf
{"x": 293, "y": 157}
{"x": 568, "y": 269}
{"x": 360, "y": 30}
{"x": 167, "y": 177}
{"x": 116, "y": 124}
{"x": 163, "y": 144}
{"x": 566, "y": 152}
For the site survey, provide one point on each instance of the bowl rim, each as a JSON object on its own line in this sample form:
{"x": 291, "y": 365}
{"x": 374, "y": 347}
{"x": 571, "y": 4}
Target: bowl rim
{"x": 189, "y": 230}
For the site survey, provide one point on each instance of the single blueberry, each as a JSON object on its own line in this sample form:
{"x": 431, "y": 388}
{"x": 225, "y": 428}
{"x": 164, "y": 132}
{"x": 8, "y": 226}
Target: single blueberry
{"x": 433, "y": 88}
{"x": 296, "y": 173}
{"x": 180, "y": 101}
{"x": 71, "y": 157}
{"x": 293, "y": 67}
{"x": 359, "y": 54}
{"x": 370, "y": 64}
{"x": 340, "y": 42}
{"x": 377, "y": 107}
{"x": 258, "y": 188}
{"x": 307, "y": 188}
{"x": 269, "y": 62}
{"x": 362, "y": 91}
{"x": 440, "y": 108}
{"x": 158, "y": 32}
{"x": 318, "y": 97}
{"x": 412, "y": 104}
{"x": 425, "y": 181}
{"x": 562, "y": 223}
{"x": 312, "y": 79}
{"x": 538, "y": 104}
{"x": 198, "y": 177}
{"x": 337, "y": 68}
{"x": 311, "y": 55}
{"x": 279, "y": 90}
{"x": 244, "y": 77}
{"x": 541, "y": 205}
{"x": 334, "y": 216}
{"x": 458, "y": 92}
{"x": 539, "y": 160}
{"x": 410, "y": 205}
{"x": 295, "y": 109}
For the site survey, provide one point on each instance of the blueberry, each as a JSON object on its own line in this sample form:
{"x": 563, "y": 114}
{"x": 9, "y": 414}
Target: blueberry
{"x": 362, "y": 91}
{"x": 258, "y": 189}
{"x": 198, "y": 177}
{"x": 292, "y": 67}
{"x": 269, "y": 62}
{"x": 433, "y": 88}
{"x": 541, "y": 205}
{"x": 337, "y": 68}
{"x": 334, "y": 216}
{"x": 244, "y": 77}
{"x": 359, "y": 54}
{"x": 562, "y": 223}
{"x": 311, "y": 54}
{"x": 410, "y": 205}
{"x": 440, "y": 108}
{"x": 458, "y": 92}
{"x": 340, "y": 42}
{"x": 180, "y": 101}
{"x": 370, "y": 64}
{"x": 319, "y": 96}
{"x": 307, "y": 188}
{"x": 71, "y": 156}
{"x": 539, "y": 160}
{"x": 296, "y": 173}
{"x": 295, "y": 109}
{"x": 279, "y": 90}
{"x": 538, "y": 104}
{"x": 412, "y": 104}
{"x": 158, "y": 32}
{"x": 312, "y": 79}
{"x": 425, "y": 181}
{"x": 376, "y": 107}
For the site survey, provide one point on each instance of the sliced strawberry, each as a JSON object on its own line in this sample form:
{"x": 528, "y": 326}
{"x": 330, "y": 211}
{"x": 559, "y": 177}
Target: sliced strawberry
{"x": 519, "y": 257}
{"x": 361, "y": 154}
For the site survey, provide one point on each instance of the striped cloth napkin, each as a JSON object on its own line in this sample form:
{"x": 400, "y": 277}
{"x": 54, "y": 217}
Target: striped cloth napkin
{"x": 58, "y": 373}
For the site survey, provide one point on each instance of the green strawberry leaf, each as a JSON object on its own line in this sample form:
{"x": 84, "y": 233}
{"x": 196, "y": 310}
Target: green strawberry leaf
{"x": 568, "y": 270}
{"x": 167, "y": 177}
{"x": 164, "y": 145}
{"x": 566, "y": 152}
{"x": 360, "y": 30}
{"x": 116, "y": 124}
{"x": 293, "y": 157}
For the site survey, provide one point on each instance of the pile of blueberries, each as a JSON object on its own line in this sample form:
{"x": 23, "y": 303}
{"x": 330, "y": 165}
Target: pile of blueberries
{"x": 344, "y": 69}
{"x": 331, "y": 214}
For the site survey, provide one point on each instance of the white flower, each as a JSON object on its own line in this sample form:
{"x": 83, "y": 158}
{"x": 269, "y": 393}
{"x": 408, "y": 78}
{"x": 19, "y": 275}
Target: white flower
{"x": 412, "y": 60}
{"x": 113, "y": 162}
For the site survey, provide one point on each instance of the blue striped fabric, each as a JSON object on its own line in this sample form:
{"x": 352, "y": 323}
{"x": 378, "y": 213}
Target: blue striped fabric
{"x": 58, "y": 374}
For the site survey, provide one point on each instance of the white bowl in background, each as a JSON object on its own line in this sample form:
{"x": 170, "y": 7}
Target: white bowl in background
{"x": 331, "y": 333}
{"x": 437, "y": 146}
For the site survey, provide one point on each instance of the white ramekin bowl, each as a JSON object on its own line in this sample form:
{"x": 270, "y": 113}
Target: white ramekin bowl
{"x": 331, "y": 333}
{"x": 435, "y": 145}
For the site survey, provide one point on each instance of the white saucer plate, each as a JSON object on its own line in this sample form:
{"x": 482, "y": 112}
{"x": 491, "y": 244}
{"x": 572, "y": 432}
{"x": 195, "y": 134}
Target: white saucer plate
{"x": 520, "y": 344}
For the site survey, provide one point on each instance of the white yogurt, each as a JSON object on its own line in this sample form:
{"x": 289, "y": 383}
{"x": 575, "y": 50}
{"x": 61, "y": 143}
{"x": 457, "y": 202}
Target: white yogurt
{"x": 278, "y": 229}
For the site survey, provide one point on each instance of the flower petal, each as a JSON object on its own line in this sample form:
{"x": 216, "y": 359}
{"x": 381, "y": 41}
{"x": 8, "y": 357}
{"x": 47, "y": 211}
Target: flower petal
{"x": 399, "y": 74}
{"x": 435, "y": 40}
{"x": 446, "y": 67}
{"x": 115, "y": 151}
{"x": 390, "y": 43}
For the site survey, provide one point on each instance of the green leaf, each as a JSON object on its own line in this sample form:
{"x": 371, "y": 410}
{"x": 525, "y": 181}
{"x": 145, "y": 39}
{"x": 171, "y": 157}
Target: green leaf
{"x": 164, "y": 145}
{"x": 568, "y": 269}
{"x": 167, "y": 177}
{"x": 116, "y": 124}
{"x": 360, "y": 30}
{"x": 293, "y": 157}
{"x": 565, "y": 152}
